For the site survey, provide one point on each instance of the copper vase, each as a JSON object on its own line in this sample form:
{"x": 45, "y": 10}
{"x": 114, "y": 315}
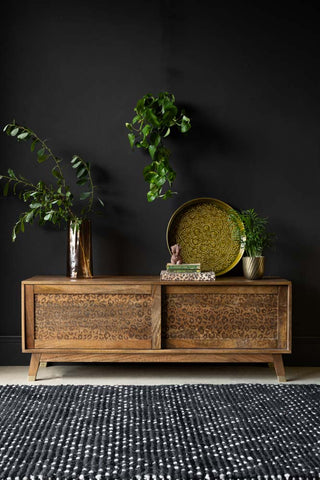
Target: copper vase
{"x": 253, "y": 267}
{"x": 79, "y": 250}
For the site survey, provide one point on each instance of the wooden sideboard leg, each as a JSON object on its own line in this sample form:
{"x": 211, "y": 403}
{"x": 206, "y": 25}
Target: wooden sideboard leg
{"x": 279, "y": 367}
{"x": 34, "y": 365}
{"x": 43, "y": 364}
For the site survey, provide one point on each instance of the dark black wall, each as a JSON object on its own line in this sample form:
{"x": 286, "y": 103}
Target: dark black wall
{"x": 248, "y": 75}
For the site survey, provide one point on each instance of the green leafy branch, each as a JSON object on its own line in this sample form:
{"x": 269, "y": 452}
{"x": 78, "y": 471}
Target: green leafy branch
{"x": 155, "y": 117}
{"x": 47, "y": 203}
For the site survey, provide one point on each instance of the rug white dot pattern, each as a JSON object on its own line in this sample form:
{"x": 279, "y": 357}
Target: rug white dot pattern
{"x": 160, "y": 432}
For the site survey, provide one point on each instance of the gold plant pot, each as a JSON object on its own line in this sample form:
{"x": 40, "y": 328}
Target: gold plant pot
{"x": 79, "y": 250}
{"x": 253, "y": 267}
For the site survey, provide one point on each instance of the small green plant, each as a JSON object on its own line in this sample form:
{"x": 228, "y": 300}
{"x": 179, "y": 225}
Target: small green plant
{"x": 257, "y": 236}
{"x": 155, "y": 118}
{"x": 48, "y": 202}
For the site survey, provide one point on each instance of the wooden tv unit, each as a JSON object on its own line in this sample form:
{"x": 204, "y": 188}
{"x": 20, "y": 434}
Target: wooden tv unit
{"x": 143, "y": 319}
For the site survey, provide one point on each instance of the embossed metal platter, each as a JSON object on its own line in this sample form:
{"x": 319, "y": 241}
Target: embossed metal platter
{"x": 207, "y": 234}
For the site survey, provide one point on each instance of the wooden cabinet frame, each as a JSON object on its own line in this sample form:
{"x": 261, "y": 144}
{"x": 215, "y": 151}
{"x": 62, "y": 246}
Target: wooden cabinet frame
{"x": 141, "y": 319}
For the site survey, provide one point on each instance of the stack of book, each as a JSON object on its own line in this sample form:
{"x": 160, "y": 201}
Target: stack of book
{"x": 186, "y": 272}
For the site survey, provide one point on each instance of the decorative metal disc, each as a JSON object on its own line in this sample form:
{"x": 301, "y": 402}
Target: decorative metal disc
{"x": 207, "y": 234}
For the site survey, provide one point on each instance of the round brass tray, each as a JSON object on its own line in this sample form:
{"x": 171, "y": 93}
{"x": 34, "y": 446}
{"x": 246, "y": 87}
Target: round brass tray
{"x": 207, "y": 234}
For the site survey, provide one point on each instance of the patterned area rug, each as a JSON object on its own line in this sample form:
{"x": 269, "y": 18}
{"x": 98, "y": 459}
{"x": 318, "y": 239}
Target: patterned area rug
{"x": 166, "y": 432}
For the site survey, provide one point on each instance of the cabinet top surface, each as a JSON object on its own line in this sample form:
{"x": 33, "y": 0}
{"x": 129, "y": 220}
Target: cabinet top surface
{"x": 148, "y": 279}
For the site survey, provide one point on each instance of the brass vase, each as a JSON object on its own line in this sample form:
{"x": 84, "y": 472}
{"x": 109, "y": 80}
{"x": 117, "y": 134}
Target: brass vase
{"x": 79, "y": 250}
{"x": 253, "y": 267}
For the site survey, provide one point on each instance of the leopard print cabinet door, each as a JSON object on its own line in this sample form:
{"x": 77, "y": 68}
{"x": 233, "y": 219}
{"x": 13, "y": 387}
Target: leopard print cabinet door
{"x": 108, "y": 319}
{"x": 221, "y": 317}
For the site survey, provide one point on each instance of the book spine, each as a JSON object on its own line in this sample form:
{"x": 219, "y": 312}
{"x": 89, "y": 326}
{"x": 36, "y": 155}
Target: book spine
{"x": 181, "y": 270}
{"x": 184, "y": 267}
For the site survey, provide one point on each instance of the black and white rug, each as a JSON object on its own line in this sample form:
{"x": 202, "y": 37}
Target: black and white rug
{"x": 165, "y": 432}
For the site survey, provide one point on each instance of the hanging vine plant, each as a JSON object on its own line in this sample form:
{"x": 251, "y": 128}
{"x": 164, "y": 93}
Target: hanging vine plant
{"x": 154, "y": 120}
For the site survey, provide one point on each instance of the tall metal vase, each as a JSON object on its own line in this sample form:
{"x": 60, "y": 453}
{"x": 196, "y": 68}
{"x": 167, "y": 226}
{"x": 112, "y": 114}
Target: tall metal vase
{"x": 79, "y": 250}
{"x": 253, "y": 267}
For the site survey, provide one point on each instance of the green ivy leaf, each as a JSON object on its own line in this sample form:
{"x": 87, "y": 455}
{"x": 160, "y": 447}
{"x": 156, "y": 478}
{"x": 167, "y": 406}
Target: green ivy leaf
{"x": 169, "y": 115}
{"x": 6, "y": 189}
{"x": 56, "y": 173}
{"x": 147, "y": 169}
{"x": 82, "y": 181}
{"x": 171, "y": 176}
{"x": 149, "y": 177}
{"x": 85, "y": 195}
{"x": 140, "y": 104}
{"x": 155, "y": 139}
{"x": 76, "y": 165}
{"x": 29, "y": 216}
{"x": 135, "y": 119}
{"x": 152, "y": 150}
{"x": 14, "y": 132}
{"x": 159, "y": 181}
{"x": 132, "y": 138}
{"x": 151, "y": 196}
{"x": 14, "y": 234}
{"x": 152, "y": 118}
{"x": 33, "y": 145}
{"x": 35, "y": 205}
{"x": 146, "y": 130}
{"x": 16, "y": 229}
{"x": 23, "y": 135}
{"x": 185, "y": 124}
{"x": 81, "y": 172}
{"x": 41, "y": 155}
